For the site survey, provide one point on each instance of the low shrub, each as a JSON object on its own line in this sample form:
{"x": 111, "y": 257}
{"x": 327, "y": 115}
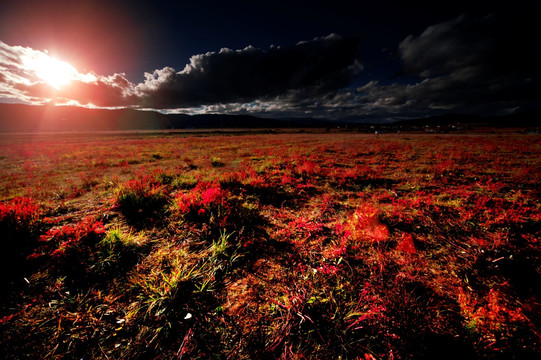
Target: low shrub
{"x": 20, "y": 222}
{"x": 142, "y": 198}
{"x": 19, "y": 219}
{"x": 209, "y": 209}
{"x": 72, "y": 247}
{"x": 206, "y": 202}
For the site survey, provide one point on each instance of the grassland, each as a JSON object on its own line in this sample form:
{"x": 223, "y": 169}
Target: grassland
{"x": 292, "y": 246}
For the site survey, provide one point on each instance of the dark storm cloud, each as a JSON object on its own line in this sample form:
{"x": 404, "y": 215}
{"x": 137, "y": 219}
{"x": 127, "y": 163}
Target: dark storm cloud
{"x": 469, "y": 64}
{"x": 491, "y": 44}
{"x": 315, "y": 67}
{"x": 487, "y": 65}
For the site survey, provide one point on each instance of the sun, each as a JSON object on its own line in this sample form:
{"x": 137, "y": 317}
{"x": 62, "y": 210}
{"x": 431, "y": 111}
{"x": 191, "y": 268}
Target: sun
{"x": 54, "y": 72}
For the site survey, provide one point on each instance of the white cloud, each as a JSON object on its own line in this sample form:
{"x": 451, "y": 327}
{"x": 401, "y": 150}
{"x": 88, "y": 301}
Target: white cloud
{"x": 33, "y": 76}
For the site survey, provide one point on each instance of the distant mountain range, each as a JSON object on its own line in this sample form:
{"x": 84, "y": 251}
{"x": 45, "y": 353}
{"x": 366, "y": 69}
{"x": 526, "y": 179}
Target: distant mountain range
{"x": 18, "y": 117}
{"x": 49, "y": 118}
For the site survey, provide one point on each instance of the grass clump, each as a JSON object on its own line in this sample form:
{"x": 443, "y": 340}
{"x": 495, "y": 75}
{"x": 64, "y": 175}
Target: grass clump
{"x": 177, "y": 291}
{"x": 141, "y": 199}
{"x": 119, "y": 250}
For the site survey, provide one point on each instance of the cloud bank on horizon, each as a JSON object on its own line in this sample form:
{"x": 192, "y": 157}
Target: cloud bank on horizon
{"x": 468, "y": 64}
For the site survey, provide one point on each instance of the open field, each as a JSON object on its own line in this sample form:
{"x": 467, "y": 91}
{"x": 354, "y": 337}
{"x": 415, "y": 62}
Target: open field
{"x": 293, "y": 246}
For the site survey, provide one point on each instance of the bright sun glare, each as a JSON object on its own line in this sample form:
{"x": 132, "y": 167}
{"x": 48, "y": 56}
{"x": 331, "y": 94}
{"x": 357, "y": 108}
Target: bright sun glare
{"x": 54, "y": 72}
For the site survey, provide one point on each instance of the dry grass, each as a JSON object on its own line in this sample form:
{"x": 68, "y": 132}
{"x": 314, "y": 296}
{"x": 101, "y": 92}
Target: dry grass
{"x": 290, "y": 246}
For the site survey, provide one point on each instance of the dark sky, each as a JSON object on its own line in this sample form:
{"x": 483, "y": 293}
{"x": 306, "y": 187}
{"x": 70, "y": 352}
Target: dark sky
{"x": 380, "y": 60}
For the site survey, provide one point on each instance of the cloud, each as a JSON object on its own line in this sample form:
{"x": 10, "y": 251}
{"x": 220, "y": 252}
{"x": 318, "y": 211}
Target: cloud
{"x": 231, "y": 76}
{"x": 489, "y": 45}
{"x": 11, "y": 55}
{"x": 486, "y": 65}
{"x": 277, "y": 75}
{"x": 20, "y": 79}
{"x": 294, "y": 103}
{"x": 471, "y": 64}
{"x": 444, "y": 48}
{"x": 468, "y": 64}
{"x": 112, "y": 91}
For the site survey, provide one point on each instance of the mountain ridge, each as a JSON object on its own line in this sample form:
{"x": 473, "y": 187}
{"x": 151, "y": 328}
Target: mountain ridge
{"x": 50, "y": 118}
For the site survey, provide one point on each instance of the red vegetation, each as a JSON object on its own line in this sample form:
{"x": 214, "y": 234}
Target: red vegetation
{"x": 291, "y": 246}
{"x": 406, "y": 244}
{"x": 73, "y": 238}
{"x": 142, "y": 197}
{"x": 20, "y": 223}
{"x": 203, "y": 198}
{"x": 20, "y": 215}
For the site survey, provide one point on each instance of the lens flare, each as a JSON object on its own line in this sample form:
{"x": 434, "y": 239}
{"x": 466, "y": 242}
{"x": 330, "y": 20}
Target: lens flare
{"x": 54, "y": 72}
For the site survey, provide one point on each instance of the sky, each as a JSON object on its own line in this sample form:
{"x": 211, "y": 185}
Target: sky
{"x": 344, "y": 60}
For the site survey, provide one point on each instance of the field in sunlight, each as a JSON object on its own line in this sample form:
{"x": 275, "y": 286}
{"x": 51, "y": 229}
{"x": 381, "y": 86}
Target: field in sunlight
{"x": 319, "y": 246}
